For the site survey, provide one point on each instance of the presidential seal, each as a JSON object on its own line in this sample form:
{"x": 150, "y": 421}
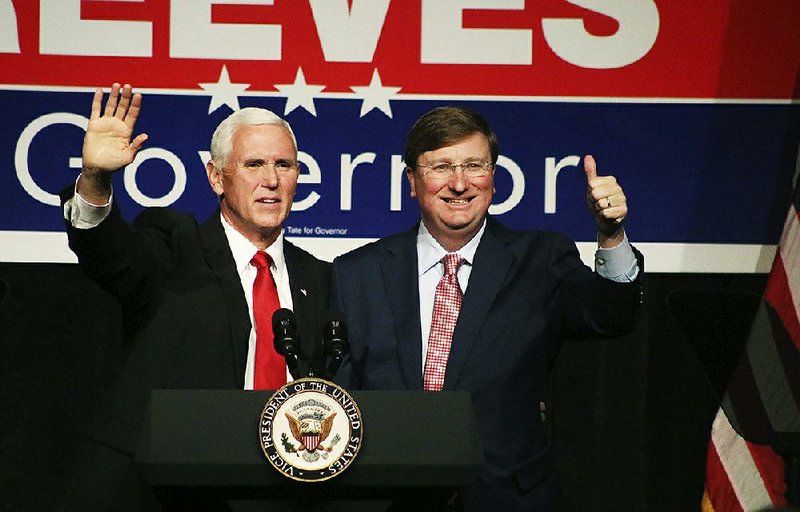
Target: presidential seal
{"x": 310, "y": 430}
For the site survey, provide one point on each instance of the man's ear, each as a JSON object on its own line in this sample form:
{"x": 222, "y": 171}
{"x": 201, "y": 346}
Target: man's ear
{"x": 410, "y": 177}
{"x": 215, "y": 178}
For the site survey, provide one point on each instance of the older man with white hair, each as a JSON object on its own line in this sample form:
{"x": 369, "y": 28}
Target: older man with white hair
{"x": 197, "y": 298}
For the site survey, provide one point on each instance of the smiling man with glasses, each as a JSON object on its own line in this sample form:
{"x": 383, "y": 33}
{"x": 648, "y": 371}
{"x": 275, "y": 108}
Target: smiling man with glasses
{"x": 460, "y": 302}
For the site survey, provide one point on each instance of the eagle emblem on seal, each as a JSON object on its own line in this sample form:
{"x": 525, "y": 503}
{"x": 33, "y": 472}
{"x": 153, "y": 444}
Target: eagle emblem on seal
{"x": 310, "y": 430}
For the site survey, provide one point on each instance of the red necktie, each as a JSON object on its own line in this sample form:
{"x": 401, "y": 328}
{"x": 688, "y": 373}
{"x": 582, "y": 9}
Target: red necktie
{"x": 446, "y": 305}
{"x": 270, "y": 367}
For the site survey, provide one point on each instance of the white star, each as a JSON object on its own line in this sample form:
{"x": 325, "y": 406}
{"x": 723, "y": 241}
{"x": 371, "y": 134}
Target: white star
{"x": 375, "y": 95}
{"x": 300, "y": 94}
{"x": 224, "y": 92}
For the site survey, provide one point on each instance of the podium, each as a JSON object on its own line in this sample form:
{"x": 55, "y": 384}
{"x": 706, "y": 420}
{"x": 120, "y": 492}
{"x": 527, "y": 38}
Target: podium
{"x": 204, "y": 445}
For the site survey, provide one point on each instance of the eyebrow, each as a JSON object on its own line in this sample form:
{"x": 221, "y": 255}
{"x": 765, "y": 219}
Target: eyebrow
{"x": 468, "y": 159}
{"x": 262, "y": 161}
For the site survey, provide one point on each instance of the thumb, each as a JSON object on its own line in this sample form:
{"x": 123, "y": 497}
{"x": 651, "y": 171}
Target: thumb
{"x": 138, "y": 142}
{"x": 589, "y": 167}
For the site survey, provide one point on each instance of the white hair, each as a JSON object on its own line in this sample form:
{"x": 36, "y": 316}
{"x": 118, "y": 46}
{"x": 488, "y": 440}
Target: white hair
{"x": 222, "y": 140}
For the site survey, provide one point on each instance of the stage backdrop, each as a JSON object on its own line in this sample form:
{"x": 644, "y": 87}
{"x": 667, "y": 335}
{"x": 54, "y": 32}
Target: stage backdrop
{"x": 693, "y": 106}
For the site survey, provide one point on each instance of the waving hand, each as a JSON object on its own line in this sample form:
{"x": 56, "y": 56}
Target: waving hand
{"x": 107, "y": 145}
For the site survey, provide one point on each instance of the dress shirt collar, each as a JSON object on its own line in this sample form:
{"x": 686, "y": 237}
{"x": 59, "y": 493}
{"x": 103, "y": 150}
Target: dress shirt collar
{"x": 243, "y": 250}
{"x": 430, "y": 252}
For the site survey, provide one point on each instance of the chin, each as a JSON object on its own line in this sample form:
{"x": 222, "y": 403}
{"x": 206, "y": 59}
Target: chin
{"x": 460, "y": 222}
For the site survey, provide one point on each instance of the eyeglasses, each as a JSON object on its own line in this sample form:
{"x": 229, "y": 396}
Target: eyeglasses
{"x": 444, "y": 170}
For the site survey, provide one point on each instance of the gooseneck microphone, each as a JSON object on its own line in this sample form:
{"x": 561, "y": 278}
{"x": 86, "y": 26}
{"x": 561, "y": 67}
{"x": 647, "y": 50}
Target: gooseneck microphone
{"x": 335, "y": 342}
{"x": 286, "y": 338}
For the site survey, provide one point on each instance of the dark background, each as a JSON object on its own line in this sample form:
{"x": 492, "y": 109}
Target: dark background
{"x": 630, "y": 417}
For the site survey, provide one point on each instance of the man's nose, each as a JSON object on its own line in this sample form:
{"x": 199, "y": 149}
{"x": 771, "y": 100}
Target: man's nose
{"x": 458, "y": 181}
{"x": 269, "y": 175}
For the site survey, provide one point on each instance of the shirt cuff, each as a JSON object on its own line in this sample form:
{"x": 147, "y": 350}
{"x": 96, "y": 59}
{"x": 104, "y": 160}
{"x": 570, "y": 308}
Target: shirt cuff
{"x": 82, "y": 214}
{"x": 617, "y": 264}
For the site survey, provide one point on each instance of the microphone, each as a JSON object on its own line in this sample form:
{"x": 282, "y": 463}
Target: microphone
{"x": 335, "y": 342}
{"x": 286, "y": 339}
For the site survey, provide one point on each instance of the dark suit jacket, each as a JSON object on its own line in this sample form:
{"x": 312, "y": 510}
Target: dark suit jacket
{"x": 525, "y": 288}
{"x": 186, "y": 316}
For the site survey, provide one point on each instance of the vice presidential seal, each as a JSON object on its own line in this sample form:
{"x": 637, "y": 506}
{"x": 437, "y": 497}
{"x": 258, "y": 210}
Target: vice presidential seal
{"x": 310, "y": 430}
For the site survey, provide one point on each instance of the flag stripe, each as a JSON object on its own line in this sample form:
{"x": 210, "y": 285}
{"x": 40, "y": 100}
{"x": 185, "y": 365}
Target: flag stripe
{"x": 783, "y": 287}
{"x": 796, "y": 183}
{"x": 718, "y": 497}
{"x": 769, "y": 372}
{"x": 770, "y": 467}
{"x": 790, "y": 361}
{"x": 743, "y": 404}
{"x": 742, "y": 471}
{"x": 778, "y": 296}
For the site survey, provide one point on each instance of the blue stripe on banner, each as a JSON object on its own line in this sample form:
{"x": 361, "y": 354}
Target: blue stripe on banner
{"x": 693, "y": 173}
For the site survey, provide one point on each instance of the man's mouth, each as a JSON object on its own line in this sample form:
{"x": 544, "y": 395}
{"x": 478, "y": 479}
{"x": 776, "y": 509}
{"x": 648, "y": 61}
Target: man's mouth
{"x": 267, "y": 201}
{"x": 456, "y": 201}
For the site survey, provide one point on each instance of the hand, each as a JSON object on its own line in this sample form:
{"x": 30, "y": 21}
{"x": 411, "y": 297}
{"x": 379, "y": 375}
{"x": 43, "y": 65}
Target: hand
{"x": 607, "y": 202}
{"x": 107, "y": 146}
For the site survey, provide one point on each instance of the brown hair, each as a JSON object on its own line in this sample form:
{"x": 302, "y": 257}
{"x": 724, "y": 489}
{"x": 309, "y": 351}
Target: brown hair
{"x": 443, "y": 126}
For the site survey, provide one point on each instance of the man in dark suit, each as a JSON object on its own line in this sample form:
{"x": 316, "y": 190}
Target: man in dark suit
{"x": 507, "y": 295}
{"x": 190, "y": 306}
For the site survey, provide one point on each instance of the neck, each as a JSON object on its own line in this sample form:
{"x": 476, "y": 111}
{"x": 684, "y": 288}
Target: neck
{"x": 452, "y": 241}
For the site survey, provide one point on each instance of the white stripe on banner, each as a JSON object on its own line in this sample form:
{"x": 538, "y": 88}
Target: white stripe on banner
{"x": 51, "y": 247}
{"x": 742, "y": 471}
{"x": 434, "y": 97}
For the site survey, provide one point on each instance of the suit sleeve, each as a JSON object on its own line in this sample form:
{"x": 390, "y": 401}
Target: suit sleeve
{"x": 588, "y": 305}
{"x": 126, "y": 260}
{"x": 346, "y": 375}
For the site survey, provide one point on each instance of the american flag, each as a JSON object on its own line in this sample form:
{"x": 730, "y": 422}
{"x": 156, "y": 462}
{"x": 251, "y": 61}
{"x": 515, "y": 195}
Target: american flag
{"x": 743, "y": 470}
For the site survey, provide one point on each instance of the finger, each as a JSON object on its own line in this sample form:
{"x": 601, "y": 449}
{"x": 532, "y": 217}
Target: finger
{"x": 111, "y": 104}
{"x": 604, "y": 186}
{"x": 137, "y": 143}
{"x": 603, "y": 204}
{"x": 133, "y": 110}
{"x": 589, "y": 167}
{"x": 610, "y": 201}
{"x": 615, "y": 214}
{"x": 97, "y": 103}
{"x": 124, "y": 102}
{"x": 602, "y": 196}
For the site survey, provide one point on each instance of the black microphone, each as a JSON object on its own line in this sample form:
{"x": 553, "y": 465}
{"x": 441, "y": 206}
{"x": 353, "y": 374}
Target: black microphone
{"x": 286, "y": 339}
{"x": 335, "y": 342}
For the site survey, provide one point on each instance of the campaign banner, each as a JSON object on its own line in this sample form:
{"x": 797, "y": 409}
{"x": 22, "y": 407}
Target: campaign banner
{"x": 693, "y": 109}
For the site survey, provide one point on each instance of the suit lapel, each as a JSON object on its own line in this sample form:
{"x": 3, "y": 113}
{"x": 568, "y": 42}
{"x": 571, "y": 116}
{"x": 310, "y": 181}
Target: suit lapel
{"x": 491, "y": 265}
{"x": 401, "y": 283}
{"x": 220, "y": 260}
{"x": 295, "y": 266}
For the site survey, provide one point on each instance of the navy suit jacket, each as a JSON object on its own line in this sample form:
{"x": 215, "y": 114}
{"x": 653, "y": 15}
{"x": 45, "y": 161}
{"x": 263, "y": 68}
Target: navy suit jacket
{"x": 525, "y": 289}
{"x": 185, "y": 313}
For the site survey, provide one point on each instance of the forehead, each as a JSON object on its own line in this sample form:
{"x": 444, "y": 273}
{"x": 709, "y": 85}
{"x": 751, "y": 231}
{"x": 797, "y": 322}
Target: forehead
{"x": 262, "y": 140}
{"x": 473, "y": 146}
